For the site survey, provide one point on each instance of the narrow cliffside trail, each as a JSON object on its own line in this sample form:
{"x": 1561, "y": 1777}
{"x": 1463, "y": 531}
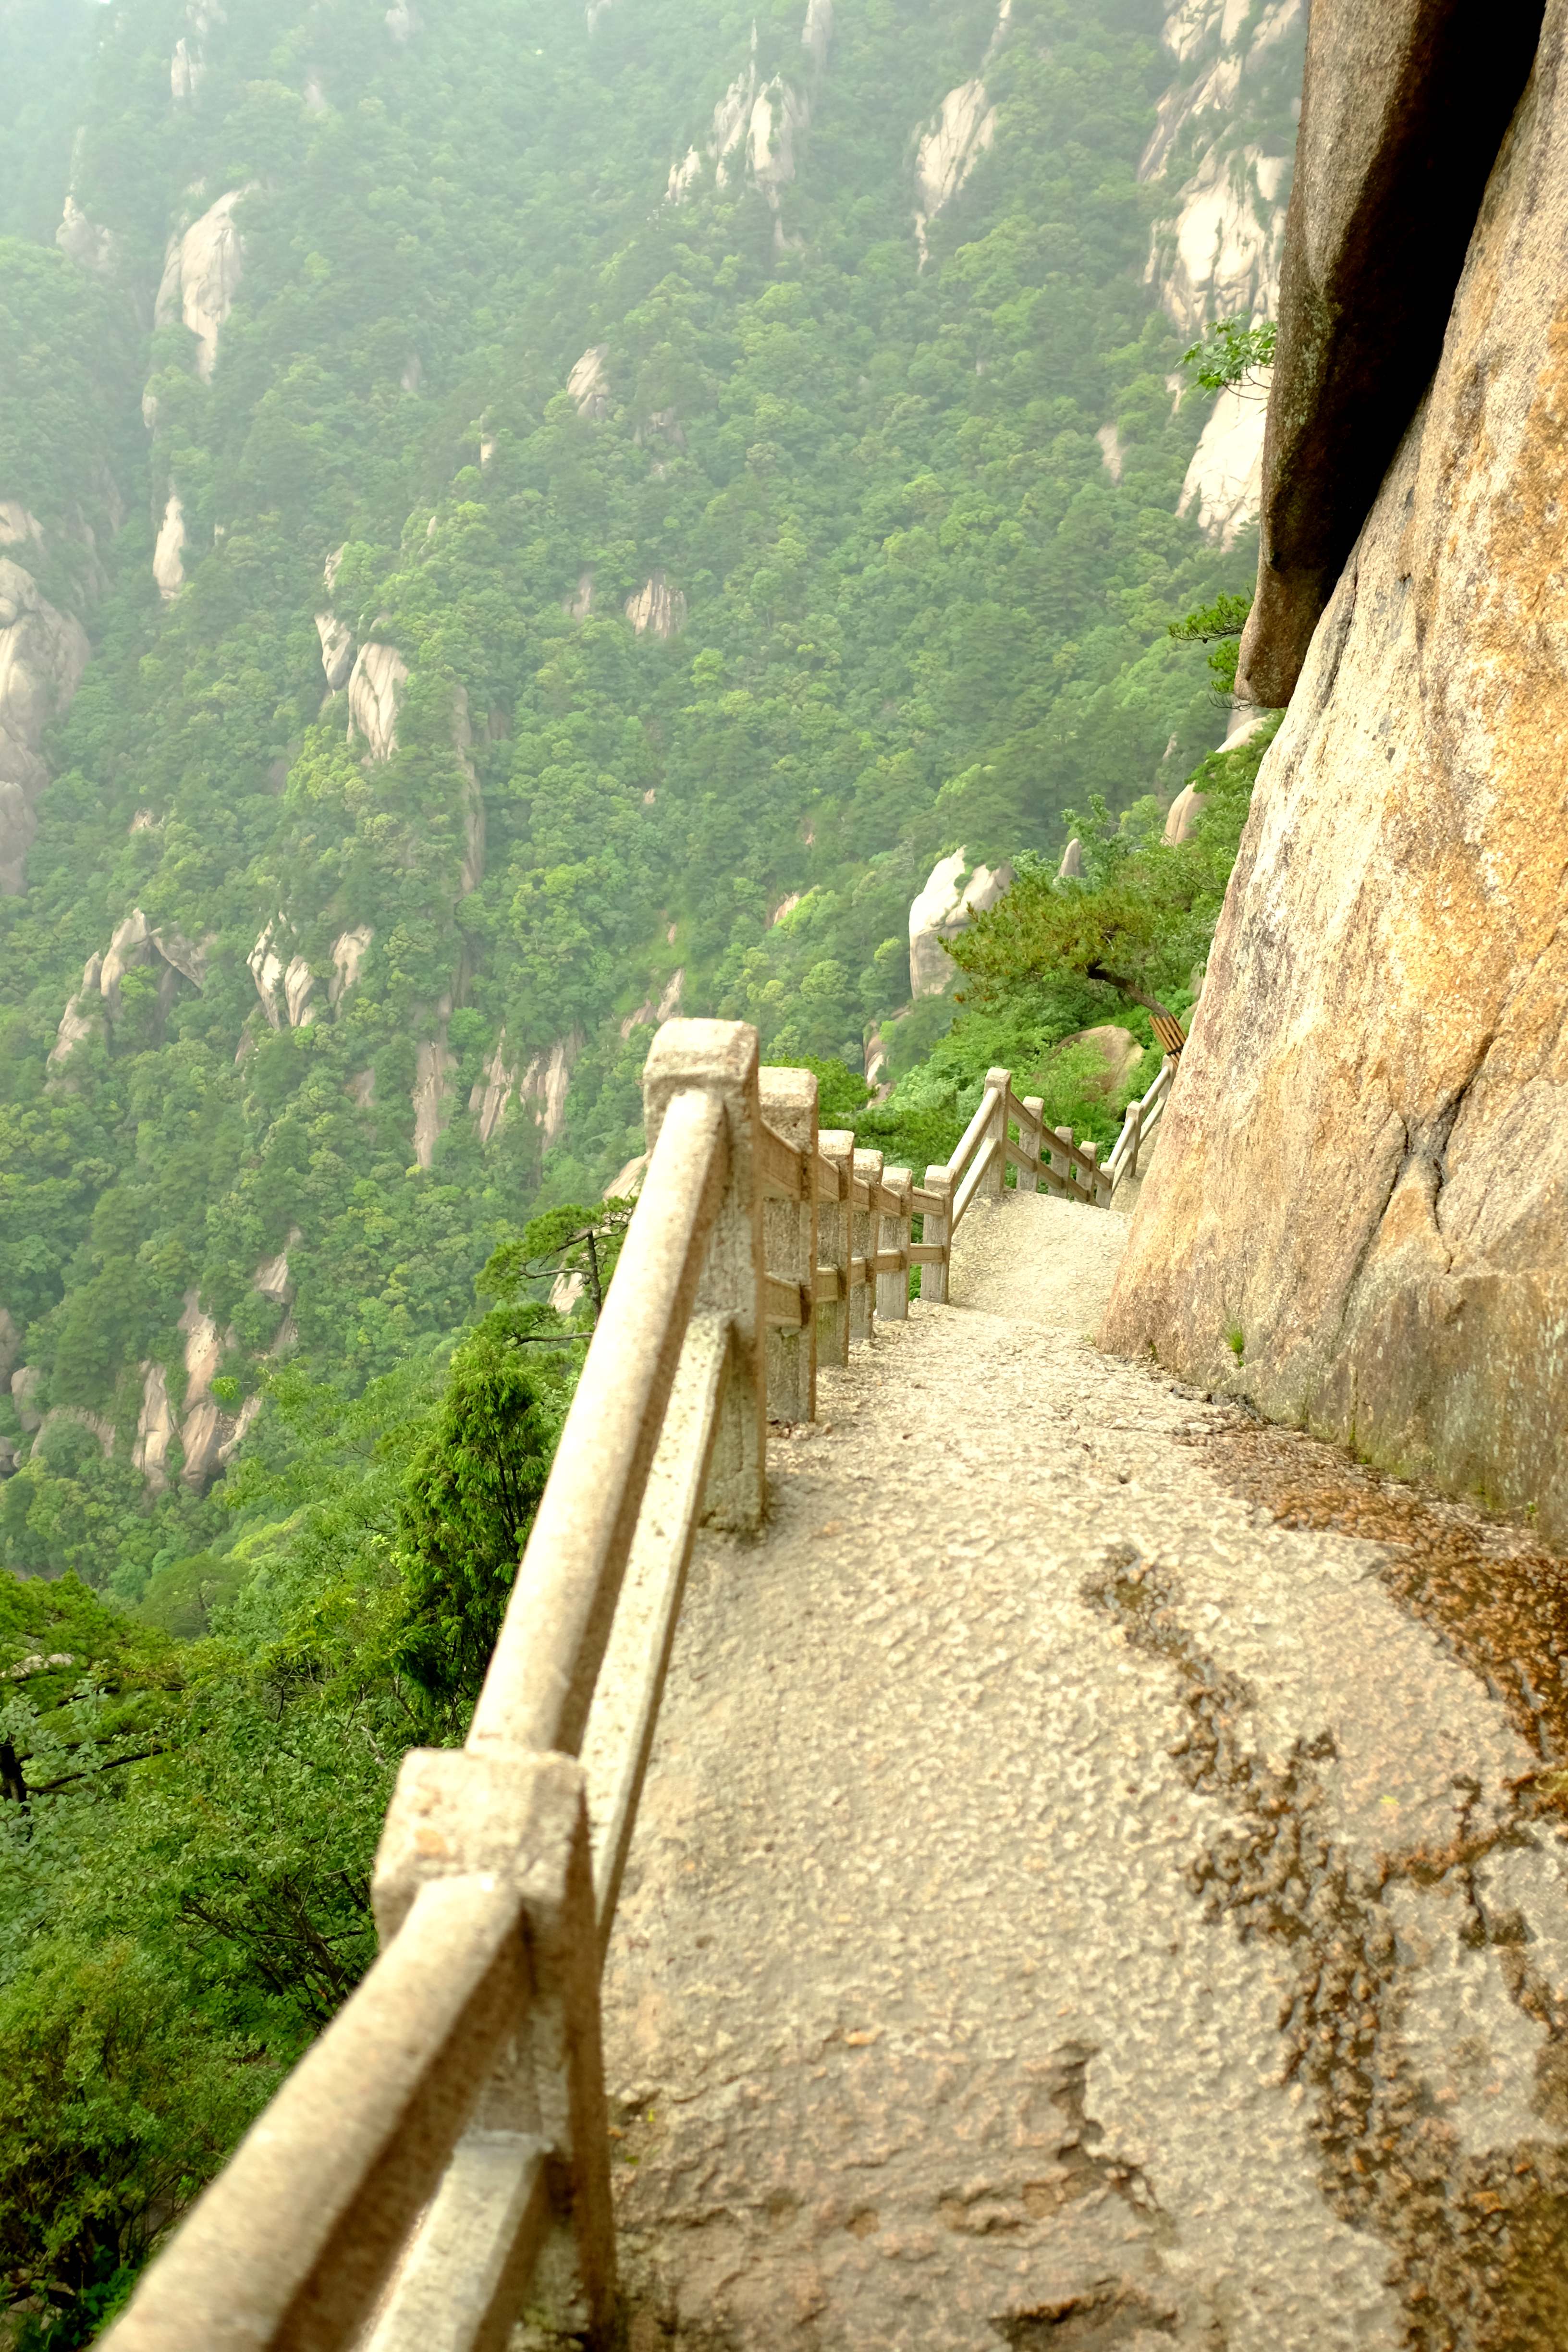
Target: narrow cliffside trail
{"x": 1069, "y": 1907}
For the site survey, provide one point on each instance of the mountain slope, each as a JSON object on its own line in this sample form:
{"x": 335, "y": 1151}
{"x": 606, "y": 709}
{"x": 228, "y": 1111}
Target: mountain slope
{"x": 572, "y": 519}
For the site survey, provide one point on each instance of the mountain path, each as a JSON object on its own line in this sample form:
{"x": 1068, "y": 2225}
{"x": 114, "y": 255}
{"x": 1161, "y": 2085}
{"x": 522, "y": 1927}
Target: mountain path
{"x": 1068, "y": 1908}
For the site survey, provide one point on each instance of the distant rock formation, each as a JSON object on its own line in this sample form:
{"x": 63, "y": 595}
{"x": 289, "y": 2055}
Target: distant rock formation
{"x": 959, "y": 133}
{"x": 202, "y": 271}
{"x": 169, "y": 554}
{"x": 338, "y": 650}
{"x": 375, "y": 688}
{"x": 284, "y": 980}
{"x": 657, "y": 609}
{"x": 589, "y": 383}
{"x": 1364, "y": 1176}
{"x": 43, "y": 653}
{"x": 952, "y": 896}
{"x": 1221, "y": 142}
{"x": 434, "y": 1066}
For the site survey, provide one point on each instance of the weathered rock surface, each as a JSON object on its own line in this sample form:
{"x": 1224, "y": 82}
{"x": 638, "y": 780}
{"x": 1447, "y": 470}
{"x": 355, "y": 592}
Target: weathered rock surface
{"x": 1182, "y": 817}
{"x": 375, "y": 688}
{"x": 434, "y": 1065}
{"x": 338, "y": 650}
{"x": 491, "y": 1090}
{"x": 43, "y": 653}
{"x": 1365, "y": 1179}
{"x": 1403, "y": 108}
{"x": 657, "y": 609}
{"x": 169, "y": 553}
{"x": 1224, "y": 481}
{"x": 349, "y": 951}
{"x": 953, "y": 894}
{"x": 589, "y": 383}
{"x": 202, "y": 271}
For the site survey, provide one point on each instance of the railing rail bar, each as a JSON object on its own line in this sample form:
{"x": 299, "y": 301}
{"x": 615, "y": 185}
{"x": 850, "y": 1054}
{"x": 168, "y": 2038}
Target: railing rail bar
{"x": 540, "y": 1687}
{"x": 466, "y": 2274}
{"x": 650, "y": 1600}
{"x": 288, "y": 2249}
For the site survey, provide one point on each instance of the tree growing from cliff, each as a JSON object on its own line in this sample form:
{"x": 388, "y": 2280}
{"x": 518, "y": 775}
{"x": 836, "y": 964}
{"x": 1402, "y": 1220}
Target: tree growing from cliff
{"x": 1218, "y": 625}
{"x": 1231, "y": 356}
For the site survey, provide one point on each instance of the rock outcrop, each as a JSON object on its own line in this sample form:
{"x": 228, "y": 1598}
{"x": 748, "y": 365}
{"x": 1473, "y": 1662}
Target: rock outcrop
{"x": 1182, "y": 817}
{"x": 657, "y": 609}
{"x": 43, "y": 653}
{"x": 338, "y": 650}
{"x": 284, "y": 980}
{"x": 589, "y": 383}
{"x": 492, "y": 1090}
{"x": 433, "y": 1071}
{"x": 201, "y": 271}
{"x": 952, "y": 896}
{"x": 375, "y": 688}
{"x": 133, "y": 944}
{"x": 349, "y": 951}
{"x": 1358, "y": 1216}
{"x": 1403, "y": 112}
{"x": 169, "y": 553}
{"x": 1222, "y": 143}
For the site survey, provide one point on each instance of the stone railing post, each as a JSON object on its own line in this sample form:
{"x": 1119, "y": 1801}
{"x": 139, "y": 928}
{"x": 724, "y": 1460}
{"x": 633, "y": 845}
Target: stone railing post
{"x": 720, "y": 1058}
{"x": 938, "y": 1232}
{"x": 837, "y": 1145}
{"x": 893, "y": 1234}
{"x": 1030, "y": 1136}
{"x": 996, "y": 1178}
{"x": 525, "y": 1821}
{"x": 790, "y": 1231}
{"x": 868, "y": 1167}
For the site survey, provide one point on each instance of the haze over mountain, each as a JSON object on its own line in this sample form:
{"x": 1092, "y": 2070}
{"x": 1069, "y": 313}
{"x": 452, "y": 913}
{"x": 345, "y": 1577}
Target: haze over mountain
{"x": 519, "y": 521}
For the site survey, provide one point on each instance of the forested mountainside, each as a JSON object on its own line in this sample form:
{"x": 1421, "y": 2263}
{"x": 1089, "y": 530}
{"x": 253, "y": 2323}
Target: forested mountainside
{"x": 514, "y": 519}
{"x": 571, "y": 515}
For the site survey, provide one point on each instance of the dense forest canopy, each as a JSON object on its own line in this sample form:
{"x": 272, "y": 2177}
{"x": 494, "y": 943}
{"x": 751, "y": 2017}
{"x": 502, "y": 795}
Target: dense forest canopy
{"x": 550, "y": 516}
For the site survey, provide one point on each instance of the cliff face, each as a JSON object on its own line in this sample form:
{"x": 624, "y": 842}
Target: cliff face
{"x": 1359, "y": 1215}
{"x": 1220, "y": 151}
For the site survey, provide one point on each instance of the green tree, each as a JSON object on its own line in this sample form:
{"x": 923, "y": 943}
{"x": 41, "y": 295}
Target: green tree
{"x": 469, "y": 1502}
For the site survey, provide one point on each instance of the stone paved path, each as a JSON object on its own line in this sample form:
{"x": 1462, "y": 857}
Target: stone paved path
{"x": 1069, "y": 1909}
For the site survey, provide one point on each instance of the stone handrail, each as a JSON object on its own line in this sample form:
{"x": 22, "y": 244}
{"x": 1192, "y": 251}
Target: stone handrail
{"x": 441, "y": 2154}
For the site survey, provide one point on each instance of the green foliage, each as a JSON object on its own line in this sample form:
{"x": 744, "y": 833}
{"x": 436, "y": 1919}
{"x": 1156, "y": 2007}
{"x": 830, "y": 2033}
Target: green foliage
{"x": 919, "y": 612}
{"x": 1140, "y": 919}
{"x": 471, "y": 1493}
{"x": 187, "y": 1825}
{"x": 1231, "y": 353}
{"x": 1218, "y": 625}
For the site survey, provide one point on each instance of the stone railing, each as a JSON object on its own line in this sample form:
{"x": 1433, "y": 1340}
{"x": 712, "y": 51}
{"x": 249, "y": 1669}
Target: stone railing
{"x": 439, "y": 2158}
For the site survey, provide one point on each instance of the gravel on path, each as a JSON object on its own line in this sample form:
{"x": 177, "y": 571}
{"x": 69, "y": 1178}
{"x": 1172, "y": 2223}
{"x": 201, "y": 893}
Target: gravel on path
{"x": 1069, "y": 1907}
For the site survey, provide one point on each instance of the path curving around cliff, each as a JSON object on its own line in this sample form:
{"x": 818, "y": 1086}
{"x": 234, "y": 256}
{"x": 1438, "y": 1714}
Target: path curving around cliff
{"x": 1069, "y": 1907}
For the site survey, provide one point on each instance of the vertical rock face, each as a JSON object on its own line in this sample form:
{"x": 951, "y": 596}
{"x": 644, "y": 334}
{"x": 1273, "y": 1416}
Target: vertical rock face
{"x": 201, "y": 277}
{"x": 432, "y": 1097}
{"x": 375, "y": 688}
{"x": 1222, "y": 145}
{"x": 169, "y": 554}
{"x": 951, "y": 896}
{"x": 1403, "y": 108}
{"x": 1363, "y": 1184}
{"x": 43, "y": 653}
{"x": 657, "y": 609}
{"x": 589, "y": 383}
